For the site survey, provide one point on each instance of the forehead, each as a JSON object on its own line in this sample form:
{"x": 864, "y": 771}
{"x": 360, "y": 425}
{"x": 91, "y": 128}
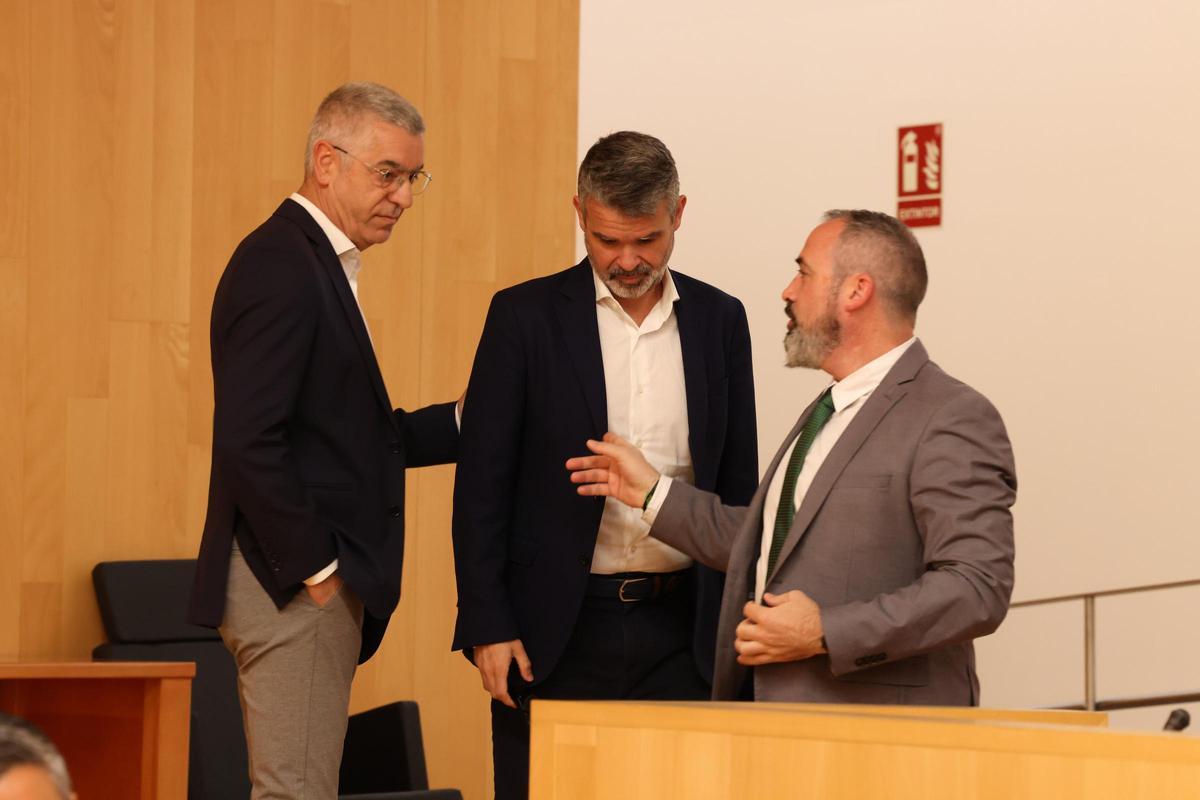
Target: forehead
{"x": 391, "y": 145}
{"x": 606, "y": 219}
{"x": 818, "y": 248}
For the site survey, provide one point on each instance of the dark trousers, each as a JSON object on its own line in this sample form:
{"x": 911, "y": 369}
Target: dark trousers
{"x": 618, "y": 651}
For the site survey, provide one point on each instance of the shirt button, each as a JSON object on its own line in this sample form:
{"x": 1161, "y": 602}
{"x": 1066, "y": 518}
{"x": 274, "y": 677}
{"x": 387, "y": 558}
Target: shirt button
{"x": 394, "y": 511}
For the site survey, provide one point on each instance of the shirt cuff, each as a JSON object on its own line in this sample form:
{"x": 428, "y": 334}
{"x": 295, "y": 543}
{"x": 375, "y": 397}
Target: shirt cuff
{"x": 660, "y": 497}
{"x": 322, "y": 575}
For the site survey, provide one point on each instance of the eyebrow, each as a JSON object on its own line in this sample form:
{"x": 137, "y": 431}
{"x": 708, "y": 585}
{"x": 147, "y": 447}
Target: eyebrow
{"x": 397, "y": 166}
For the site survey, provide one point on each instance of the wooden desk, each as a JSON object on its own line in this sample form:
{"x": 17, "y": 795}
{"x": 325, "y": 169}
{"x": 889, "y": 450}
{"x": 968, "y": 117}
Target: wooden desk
{"x": 730, "y": 751}
{"x": 122, "y": 726}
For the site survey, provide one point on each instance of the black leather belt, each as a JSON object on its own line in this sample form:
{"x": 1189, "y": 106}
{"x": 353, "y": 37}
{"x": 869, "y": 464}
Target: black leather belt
{"x": 634, "y": 587}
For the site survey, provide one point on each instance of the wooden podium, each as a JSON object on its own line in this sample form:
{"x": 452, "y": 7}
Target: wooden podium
{"x": 702, "y": 751}
{"x": 121, "y": 726}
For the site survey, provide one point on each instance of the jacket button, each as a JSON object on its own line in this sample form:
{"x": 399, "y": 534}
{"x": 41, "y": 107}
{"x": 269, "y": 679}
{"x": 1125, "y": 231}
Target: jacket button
{"x": 585, "y": 561}
{"x": 394, "y": 511}
{"x": 396, "y": 448}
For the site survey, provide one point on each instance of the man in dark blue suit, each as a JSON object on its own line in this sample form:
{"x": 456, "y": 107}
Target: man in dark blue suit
{"x": 562, "y": 596}
{"x": 304, "y": 541}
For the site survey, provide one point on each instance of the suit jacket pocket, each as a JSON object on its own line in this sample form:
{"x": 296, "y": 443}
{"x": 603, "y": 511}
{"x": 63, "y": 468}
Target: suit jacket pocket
{"x": 906, "y": 672}
{"x": 522, "y": 550}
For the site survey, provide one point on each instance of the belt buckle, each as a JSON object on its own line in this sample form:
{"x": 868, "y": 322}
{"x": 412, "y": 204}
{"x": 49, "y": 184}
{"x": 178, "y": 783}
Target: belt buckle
{"x": 621, "y": 591}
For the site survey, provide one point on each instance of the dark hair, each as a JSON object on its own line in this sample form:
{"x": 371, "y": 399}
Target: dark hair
{"x": 631, "y": 172}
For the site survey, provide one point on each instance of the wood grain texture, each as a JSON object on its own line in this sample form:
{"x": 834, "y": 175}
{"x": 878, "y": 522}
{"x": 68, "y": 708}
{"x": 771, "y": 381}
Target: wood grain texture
{"x": 733, "y": 750}
{"x": 142, "y": 140}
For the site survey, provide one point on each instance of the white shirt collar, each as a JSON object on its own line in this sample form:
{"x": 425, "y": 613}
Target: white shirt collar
{"x": 657, "y": 316}
{"x": 340, "y": 241}
{"x": 867, "y": 378}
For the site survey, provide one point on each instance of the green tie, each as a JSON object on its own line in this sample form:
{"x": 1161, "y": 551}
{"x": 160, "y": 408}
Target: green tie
{"x": 786, "y": 511}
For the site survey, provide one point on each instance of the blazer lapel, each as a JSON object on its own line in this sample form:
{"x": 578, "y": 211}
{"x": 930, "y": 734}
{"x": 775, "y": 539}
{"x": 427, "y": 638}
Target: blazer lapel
{"x": 341, "y": 286}
{"x": 882, "y": 400}
{"x": 576, "y": 312}
{"x": 691, "y": 320}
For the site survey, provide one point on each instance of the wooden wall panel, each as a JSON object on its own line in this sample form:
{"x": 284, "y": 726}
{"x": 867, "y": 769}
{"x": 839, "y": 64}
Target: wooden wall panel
{"x": 142, "y": 139}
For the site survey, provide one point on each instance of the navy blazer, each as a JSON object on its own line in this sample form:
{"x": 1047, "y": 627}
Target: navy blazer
{"x": 523, "y": 537}
{"x": 308, "y": 455}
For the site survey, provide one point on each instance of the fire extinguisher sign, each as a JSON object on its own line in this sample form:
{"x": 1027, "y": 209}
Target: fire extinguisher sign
{"x": 919, "y": 157}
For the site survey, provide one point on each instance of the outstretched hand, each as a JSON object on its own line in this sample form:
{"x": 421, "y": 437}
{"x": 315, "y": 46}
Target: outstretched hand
{"x": 617, "y": 470}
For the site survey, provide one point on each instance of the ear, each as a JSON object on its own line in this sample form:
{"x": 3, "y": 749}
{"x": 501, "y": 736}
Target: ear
{"x": 857, "y": 291}
{"x": 326, "y": 162}
{"x": 679, "y": 212}
{"x": 579, "y": 212}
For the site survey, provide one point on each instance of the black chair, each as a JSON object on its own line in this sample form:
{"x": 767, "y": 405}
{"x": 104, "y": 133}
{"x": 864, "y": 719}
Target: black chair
{"x": 143, "y": 605}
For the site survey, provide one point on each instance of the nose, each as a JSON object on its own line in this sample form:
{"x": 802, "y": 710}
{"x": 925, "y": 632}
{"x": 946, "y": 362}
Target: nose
{"x": 628, "y": 259}
{"x": 402, "y": 194}
{"x": 790, "y": 292}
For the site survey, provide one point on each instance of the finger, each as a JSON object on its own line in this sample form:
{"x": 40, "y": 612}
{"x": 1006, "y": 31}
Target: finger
{"x": 593, "y": 489}
{"x": 503, "y": 697}
{"x": 588, "y": 462}
{"x": 780, "y": 599}
{"x": 523, "y": 662}
{"x": 755, "y": 660}
{"x": 753, "y": 612}
{"x": 609, "y": 448}
{"x": 590, "y": 476}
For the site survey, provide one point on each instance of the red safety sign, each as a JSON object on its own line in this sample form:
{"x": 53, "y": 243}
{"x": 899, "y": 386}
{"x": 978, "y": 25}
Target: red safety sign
{"x": 920, "y": 179}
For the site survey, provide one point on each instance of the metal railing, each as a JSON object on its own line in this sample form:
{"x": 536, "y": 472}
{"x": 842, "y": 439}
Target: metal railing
{"x": 1090, "y": 703}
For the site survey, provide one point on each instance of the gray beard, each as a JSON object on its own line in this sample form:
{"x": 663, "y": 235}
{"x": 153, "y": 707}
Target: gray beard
{"x": 650, "y": 278}
{"x": 811, "y": 348}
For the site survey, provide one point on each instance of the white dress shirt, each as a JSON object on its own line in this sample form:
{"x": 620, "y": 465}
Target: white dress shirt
{"x": 849, "y": 396}
{"x": 647, "y": 405}
{"x": 351, "y": 260}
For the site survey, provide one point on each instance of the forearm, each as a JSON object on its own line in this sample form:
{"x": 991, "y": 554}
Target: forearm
{"x": 697, "y": 523}
{"x": 430, "y": 435}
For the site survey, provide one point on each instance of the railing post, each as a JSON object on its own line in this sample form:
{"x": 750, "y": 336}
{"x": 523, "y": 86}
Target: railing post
{"x": 1089, "y": 652}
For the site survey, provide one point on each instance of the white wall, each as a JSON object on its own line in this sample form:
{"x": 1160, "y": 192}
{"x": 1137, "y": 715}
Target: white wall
{"x": 1064, "y": 277}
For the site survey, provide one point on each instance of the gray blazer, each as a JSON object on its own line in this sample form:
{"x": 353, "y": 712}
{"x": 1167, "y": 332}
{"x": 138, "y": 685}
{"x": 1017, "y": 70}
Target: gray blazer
{"x": 904, "y": 540}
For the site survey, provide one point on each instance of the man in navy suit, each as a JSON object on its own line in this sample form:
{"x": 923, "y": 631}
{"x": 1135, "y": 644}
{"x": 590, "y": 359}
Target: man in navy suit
{"x": 562, "y": 596}
{"x": 304, "y": 541}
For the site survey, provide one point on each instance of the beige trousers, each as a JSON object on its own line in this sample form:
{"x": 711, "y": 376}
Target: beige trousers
{"x": 295, "y": 666}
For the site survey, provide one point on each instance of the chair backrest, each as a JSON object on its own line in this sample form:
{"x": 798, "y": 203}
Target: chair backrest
{"x": 146, "y": 601}
{"x": 384, "y": 751}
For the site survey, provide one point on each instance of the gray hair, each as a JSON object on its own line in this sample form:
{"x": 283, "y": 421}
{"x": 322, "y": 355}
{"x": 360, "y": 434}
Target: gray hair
{"x": 346, "y": 108}
{"x": 23, "y": 745}
{"x": 884, "y": 248}
{"x": 631, "y": 172}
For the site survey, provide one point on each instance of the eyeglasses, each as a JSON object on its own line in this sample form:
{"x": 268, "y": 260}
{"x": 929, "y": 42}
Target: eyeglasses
{"x": 389, "y": 179}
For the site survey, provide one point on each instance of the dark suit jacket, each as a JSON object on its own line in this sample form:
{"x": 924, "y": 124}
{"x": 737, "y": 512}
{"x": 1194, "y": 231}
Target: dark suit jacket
{"x": 523, "y": 537}
{"x": 904, "y": 540}
{"x": 308, "y": 455}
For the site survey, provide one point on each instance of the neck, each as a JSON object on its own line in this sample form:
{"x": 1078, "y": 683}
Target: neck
{"x": 638, "y": 308}
{"x": 311, "y": 191}
{"x": 855, "y": 352}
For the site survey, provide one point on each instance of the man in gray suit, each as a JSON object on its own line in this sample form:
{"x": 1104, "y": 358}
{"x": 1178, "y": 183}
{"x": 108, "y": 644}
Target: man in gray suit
{"x": 892, "y": 549}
